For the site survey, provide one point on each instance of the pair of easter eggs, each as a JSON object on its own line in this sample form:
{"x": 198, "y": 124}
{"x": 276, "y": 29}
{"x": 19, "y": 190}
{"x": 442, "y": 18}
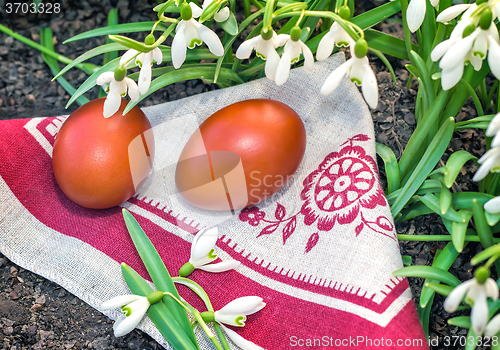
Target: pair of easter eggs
{"x": 240, "y": 156}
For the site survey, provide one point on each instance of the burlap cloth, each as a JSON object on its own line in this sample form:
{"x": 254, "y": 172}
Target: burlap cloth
{"x": 320, "y": 256}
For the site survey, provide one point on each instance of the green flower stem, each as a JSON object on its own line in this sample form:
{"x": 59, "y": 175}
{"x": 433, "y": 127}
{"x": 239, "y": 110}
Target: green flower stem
{"x": 475, "y": 98}
{"x": 268, "y": 15}
{"x": 198, "y": 318}
{"x": 492, "y": 260}
{"x": 133, "y": 44}
{"x": 87, "y": 67}
{"x": 438, "y": 238}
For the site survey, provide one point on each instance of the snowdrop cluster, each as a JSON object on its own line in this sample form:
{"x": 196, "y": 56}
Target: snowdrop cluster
{"x": 473, "y": 39}
{"x": 357, "y": 68}
{"x": 476, "y": 292}
{"x": 235, "y": 313}
{"x": 189, "y": 33}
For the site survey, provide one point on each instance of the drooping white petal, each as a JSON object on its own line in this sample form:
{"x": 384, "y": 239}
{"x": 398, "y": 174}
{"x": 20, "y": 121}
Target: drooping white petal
{"x": 283, "y": 70}
{"x": 327, "y": 42}
{"x": 246, "y": 47}
{"x": 225, "y": 265}
{"x": 493, "y": 32}
{"x": 212, "y": 40}
{"x": 129, "y": 323}
{"x": 222, "y": 15}
{"x": 197, "y": 11}
{"x": 113, "y": 100}
{"x": 493, "y": 327}
{"x": 494, "y": 126}
{"x": 280, "y": 39}
{"x": 179, "y": 46}
{"x": 157, "y": 55}
{"x": 485, "y": 168}
{"x": 434, "y": 3}
{"x": 308, "y": 57}
{"x": 493, "y": 205}
{"x": 244, "y": 305}
{"x": 455, "y": 297}
{"x": 479, "y": 313}
{"x": 476, "y": 61}
{"x": 133, "y": 90}
{"x": 451, "y": 77}
{"x": 358, "y": 68}
{"x": 230, "y": 319}
{"x": 239, "y": 340}
{"x": 369, "y": 87}
{"x": 480, "y": 46}
{"x": 127, "y": 57}
{"x": 492, "y": 152}
{"x": 105, "y": 77}
{"x": 494, "y": 57}
{"x": 334, "y": 79}
{"x": 272, "y": 61}
{"x": 203, "y": 243}
{"x": 495, "y": 142}
{"x": 145, "y": 75}
{"x": 451, "y": 12}
{"x": 457, "y": 52}
{"x": 441, "y": 49}
{"x": 193, "y": 38}
{"x": 118, "y": 321}
{"x": 415, "y": 14}
{"x": 119, "y": 301}
{"x": 491, "y": 288}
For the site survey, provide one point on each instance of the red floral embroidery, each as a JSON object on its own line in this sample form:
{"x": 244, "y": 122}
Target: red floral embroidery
{"x": 253, "y": 215}
{"x": 343, "y": 183}
{"x": 335, "y": 193}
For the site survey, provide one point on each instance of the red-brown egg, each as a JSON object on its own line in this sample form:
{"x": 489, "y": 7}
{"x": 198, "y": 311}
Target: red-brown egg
{"x": 100, "y": 162}
{"x": 241, "y": 155}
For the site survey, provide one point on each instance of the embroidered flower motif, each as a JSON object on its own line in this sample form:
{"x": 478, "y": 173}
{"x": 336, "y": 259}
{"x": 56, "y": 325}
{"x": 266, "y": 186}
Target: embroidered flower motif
{"x": 203, "y": 253}
{"x": 253, "y": 215}
{"x": 343, "y": 183}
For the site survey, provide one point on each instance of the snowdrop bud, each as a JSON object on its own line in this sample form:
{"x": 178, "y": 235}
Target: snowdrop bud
{"x": 345, "y": 13}
{"x": 482, "y": 274}
{"x": 486, "y": 19}
{"x": 154, "y": 297}
{"x": 468, "y": 30}
{"x": 208, "y": 316}
{"x": 295, "y": 33}
{"x": 266, "y": 34}
{"x": 186, "y": 269}
{"x": 186, "y": 11}
{"x": 120, "y": 73}
{"x": 361, "y": 48}
{"x": 150, "y": 39}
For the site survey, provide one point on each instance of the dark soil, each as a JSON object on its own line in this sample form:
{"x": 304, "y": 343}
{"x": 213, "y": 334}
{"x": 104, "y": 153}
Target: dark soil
{"x": 38, "y": 314}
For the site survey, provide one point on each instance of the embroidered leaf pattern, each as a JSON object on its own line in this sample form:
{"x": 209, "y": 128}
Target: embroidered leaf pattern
{"x": 359, "y": 228}
{"x": 289, "y": 228}
{"x": 269, "y": 229}
{"x": 280, "y": 211}
{"x": 359, "y": 137}
{"x": 311, "y": 243}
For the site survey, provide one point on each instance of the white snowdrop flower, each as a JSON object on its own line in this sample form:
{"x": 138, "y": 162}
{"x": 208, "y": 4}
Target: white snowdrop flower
{"x": 490, "y": 162}
{"x": 415, "y": 13}
{"x": 189, "y": 33}
{"x": 493, "y": 327}
{"x": 220, "y": 16}
{"x": 335, "y": 36}
{"x": 291, "y": 54}
{"x": 203, "y": 253}
{"x": 134, "y": 307}
{"x": 145, "y": 61}
{"x": 493, "y": 206}
{"x": 359, "y": 71}
{"x": 118, "y": 87}
{"x": 241, "y": 342}
{"x": 265, "y": 47}
{"x": 235, "y": 313}
{"x": 476, "y": 292}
